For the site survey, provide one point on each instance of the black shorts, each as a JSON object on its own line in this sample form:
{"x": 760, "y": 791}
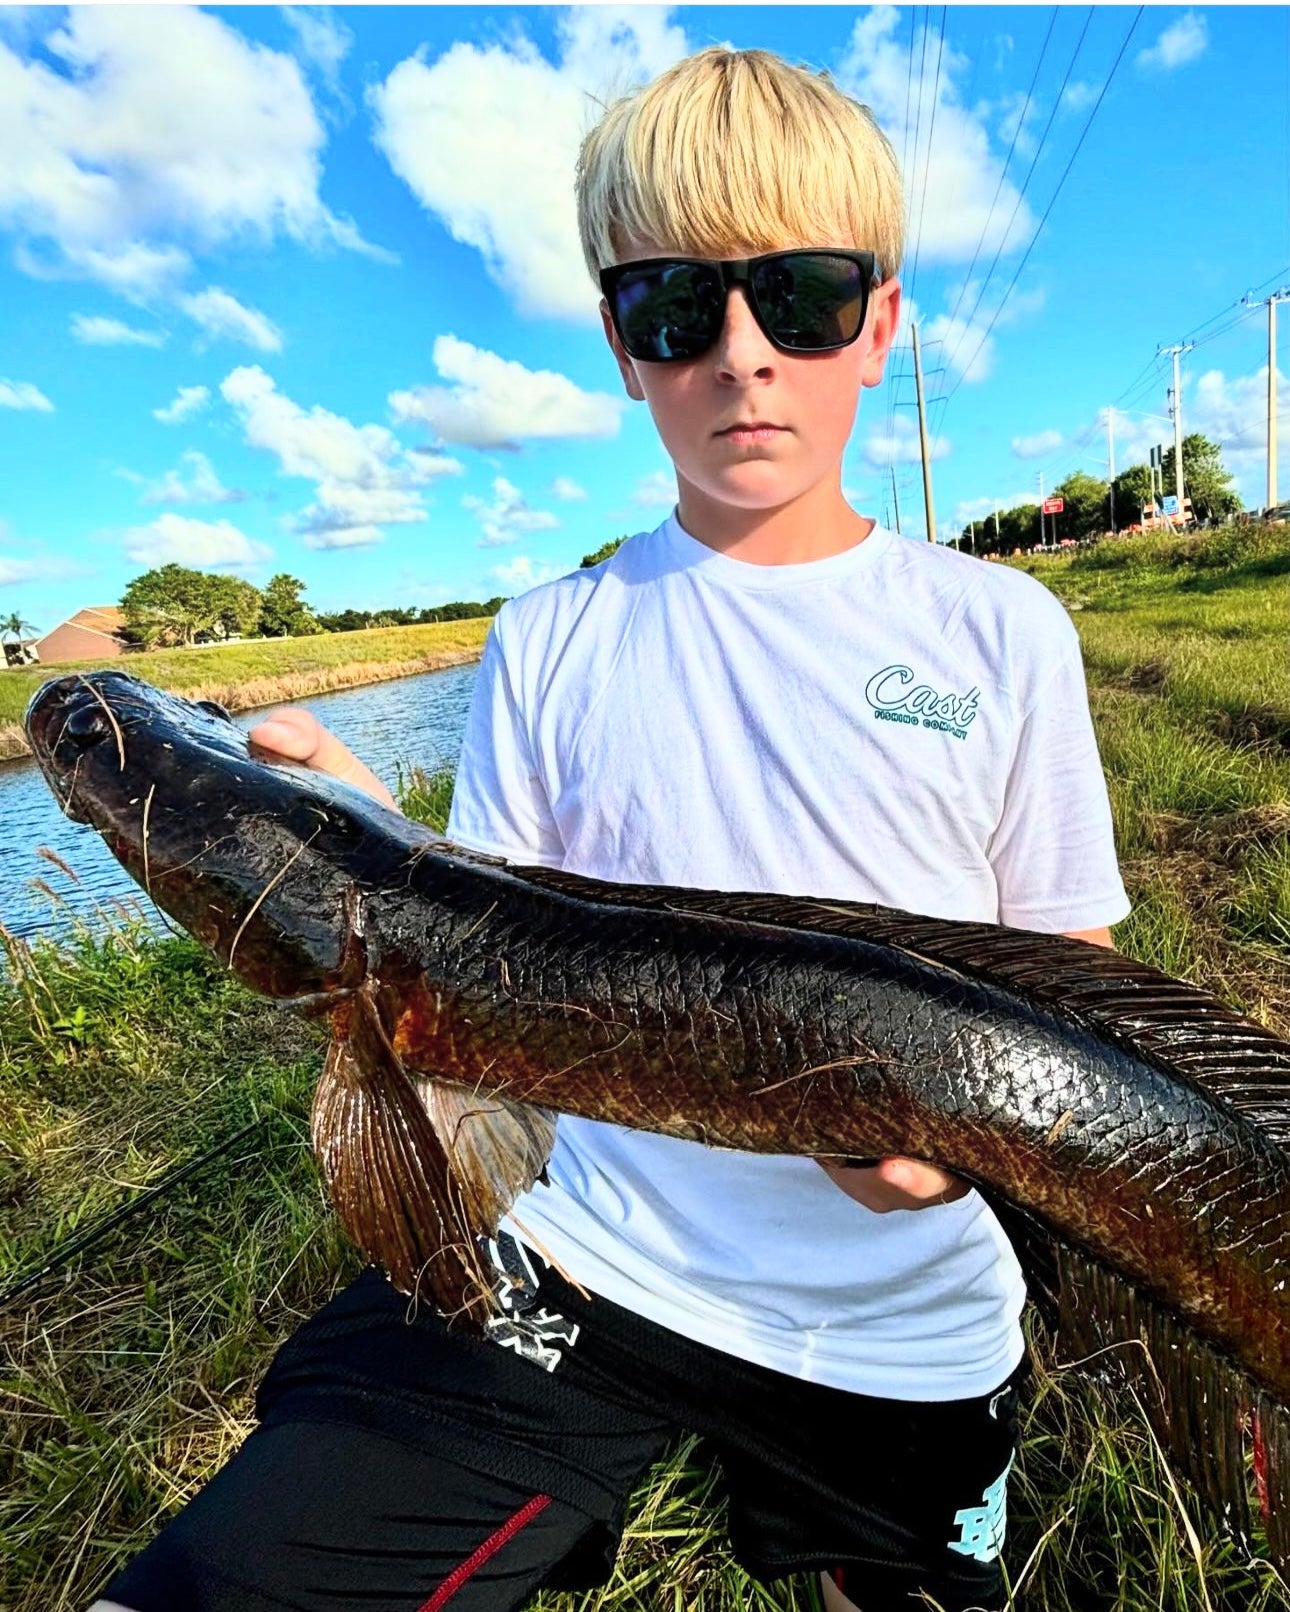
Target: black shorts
{"x": 406, "y": 1466}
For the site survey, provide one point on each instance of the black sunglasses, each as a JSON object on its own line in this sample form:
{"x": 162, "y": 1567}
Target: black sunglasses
{"x": 810, "y": 300}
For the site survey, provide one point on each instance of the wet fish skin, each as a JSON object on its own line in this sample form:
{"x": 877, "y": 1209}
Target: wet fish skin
{"x": 1159, "y": 1152}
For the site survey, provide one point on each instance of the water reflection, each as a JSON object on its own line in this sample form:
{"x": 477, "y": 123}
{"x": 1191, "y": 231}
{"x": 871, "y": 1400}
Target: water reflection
{"x": 415, "y": 720}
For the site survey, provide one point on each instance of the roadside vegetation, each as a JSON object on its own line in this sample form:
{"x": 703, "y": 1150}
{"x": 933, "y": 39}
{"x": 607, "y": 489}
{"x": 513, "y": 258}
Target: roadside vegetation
{"x": 127, "y": 1375}
{"x": 263, "y": 671}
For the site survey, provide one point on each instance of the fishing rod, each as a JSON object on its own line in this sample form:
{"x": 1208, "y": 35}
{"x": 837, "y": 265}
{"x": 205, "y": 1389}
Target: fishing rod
{"x": 95, "y": 1233}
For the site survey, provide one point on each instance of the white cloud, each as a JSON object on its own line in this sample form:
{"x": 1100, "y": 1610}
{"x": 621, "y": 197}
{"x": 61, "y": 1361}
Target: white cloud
{"x": 364, "y": 476}
{"x": 1234, "y": 413}
{"x": 1036, "y": 446}
{"x": 1078, "y": 95}
{"x": 656, "y": 491}
{"x": 900, "y": 445}
{"x": 23, "y": 395}
{"x": 508, "y": 518}
{"x": 460, "y": 132}
{"x": 187, "y": 401}
{"x": 497, "y": 403}
{"x": 949, "y": 197}
{"x": 964, "y": 347}
{"x": 160, "y": 132}
{"x": 96, "y": 331}
{"x": 217, "y": 545}
{"x": 321, "y": 39}
{"x": 563, "y": 487}
{"x": 1181, "y": 42}
{"x": 222, "y": 315}
{"x": 522, "y": 573}
{"x": 202, "y": 485}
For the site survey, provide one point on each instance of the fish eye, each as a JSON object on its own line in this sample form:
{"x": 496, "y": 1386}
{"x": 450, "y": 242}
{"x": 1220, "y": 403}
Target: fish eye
{"x": 85, "y": 727}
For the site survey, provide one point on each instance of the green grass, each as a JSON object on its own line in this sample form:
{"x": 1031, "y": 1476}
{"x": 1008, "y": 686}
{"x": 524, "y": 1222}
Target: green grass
{"x": 264, "y": 662}
{"x": 128, "y": 1378}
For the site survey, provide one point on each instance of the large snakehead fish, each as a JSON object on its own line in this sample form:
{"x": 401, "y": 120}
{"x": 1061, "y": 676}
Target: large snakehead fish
{"x": 1131, "y": 1131}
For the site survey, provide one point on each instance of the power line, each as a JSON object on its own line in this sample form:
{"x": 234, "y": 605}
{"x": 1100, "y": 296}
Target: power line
{"x": 1030, "y": 173}
{"x": 1052, "y": 201}
{"x": 1003, "y": 174}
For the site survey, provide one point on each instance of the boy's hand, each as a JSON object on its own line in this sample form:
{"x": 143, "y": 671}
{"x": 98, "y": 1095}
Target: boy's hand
{"x": 896, "y": 1184}
{"x": 291, "y": 731}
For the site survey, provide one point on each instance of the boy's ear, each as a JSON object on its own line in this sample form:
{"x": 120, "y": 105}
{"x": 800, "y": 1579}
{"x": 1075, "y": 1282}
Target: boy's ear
{"x": 625, "y": 366}
{"x": 884, "y": 305}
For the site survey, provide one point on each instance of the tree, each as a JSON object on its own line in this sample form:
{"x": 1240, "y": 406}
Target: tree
{"x": 1133, "y": 494}
{"x": 1085, "y": 514}
{"x": 283, "y": 613}
{"x": 1206, "y": 480}
{"x": 13, "y": 626}
{"x": 175, "y": 605}
{"x": 1011, "y": 530}
{"x": 603, "y": 552}
{"x": 237, "y": 605}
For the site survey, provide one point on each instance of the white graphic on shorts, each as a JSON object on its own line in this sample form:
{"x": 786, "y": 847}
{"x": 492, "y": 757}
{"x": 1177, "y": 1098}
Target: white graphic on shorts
{"x": 533, "y": 1334}
{"x": 982, "y": 1528}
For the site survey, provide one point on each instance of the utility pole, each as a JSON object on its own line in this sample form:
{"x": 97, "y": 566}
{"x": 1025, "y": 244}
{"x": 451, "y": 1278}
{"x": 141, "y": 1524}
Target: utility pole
{"x": 894, "y": 499}
{"x": 997, "y": 537}
{"x": 1277, "y": 296}
{"x": 922, "y": 437}
{"x": 1175, "y": 414}
{"x": 1041, "y": 509}
{"x": 1110, "y": 462}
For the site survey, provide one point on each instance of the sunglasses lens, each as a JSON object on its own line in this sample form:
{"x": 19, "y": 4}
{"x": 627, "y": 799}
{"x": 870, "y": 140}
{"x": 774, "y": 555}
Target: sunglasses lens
{"x": 669, "y": 310}
{"x": 810, "y": 302}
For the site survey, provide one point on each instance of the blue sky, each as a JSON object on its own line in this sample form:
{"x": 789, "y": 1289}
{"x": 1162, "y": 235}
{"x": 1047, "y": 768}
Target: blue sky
{"x": 300, "y": 288}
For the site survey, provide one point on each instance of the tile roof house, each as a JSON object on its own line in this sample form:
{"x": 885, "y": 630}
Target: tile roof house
{"x": 91, "y": 634}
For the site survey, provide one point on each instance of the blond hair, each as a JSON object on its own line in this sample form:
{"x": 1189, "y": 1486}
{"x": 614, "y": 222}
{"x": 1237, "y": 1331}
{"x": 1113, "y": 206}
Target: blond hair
{"x": 729, "y": 149}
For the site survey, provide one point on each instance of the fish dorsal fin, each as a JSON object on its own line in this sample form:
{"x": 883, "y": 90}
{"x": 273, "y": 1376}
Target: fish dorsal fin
{"x": 1168, "y": 1022}
{"x": 388, "y": 1174}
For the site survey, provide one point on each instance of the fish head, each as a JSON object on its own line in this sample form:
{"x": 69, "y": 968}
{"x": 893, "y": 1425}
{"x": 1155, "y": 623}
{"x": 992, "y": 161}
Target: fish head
{"x": 265, "y": 861}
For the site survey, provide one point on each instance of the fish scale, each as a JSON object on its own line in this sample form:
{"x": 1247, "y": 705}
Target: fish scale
{"x": 1129, "y": 1129}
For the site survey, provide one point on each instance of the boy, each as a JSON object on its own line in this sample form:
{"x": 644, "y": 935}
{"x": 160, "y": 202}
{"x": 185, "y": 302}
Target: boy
{"x": 769, "y": 692}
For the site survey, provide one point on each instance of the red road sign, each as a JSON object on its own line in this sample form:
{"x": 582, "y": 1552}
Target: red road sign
{"x": 1054, "y": 506}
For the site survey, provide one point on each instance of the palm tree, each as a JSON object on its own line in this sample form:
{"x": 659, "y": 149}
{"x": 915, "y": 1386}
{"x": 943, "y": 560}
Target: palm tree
{"x": 14, "y": 626}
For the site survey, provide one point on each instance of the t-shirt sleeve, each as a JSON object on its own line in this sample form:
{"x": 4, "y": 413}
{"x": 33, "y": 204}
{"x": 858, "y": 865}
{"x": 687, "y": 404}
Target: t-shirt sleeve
{"x": 1053, "y": 852}
{"x": 499, "y": 804}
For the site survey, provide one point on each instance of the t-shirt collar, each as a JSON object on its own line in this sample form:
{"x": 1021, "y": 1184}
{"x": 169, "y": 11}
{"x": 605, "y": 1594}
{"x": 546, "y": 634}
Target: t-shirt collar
{"x": 685, "y": 553}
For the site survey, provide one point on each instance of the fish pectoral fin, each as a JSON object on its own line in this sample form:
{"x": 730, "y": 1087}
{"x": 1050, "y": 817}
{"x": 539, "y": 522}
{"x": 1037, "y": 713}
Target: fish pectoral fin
{"x": 496, "y": 1148}
{"x": 387, "y": 1172}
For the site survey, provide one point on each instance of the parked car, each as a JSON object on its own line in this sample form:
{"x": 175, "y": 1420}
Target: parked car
{"x": 1278, "y": 515}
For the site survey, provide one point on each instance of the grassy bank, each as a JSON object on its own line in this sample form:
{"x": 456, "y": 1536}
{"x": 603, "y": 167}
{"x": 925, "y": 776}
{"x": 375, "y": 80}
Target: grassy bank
{"x": 128, "y": 1378}
{"x": 263, "y": 671}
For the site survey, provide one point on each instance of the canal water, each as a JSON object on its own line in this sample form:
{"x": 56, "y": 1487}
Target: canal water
{"x": 411, "y": 721}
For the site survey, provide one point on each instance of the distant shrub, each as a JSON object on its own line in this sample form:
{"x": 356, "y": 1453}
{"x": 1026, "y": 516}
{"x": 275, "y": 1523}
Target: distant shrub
{"x": 1221, "y": 549}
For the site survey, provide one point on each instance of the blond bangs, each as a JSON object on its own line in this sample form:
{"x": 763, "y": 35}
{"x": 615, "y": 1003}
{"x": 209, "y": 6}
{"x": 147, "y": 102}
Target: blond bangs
{"x": 733, "y": 150}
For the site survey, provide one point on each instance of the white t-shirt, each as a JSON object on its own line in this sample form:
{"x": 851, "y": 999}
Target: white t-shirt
{"x": 897, "y": 723}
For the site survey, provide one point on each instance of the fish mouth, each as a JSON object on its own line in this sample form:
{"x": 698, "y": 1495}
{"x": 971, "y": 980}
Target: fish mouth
{"x": 67, "y": 719}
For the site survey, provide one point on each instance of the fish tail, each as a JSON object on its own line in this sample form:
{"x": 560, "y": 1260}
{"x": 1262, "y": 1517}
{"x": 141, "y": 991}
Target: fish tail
{"x": 1225, "y": 1435}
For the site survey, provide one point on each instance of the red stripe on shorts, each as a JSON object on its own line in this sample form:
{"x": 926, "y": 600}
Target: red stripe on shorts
{"x": 490, "y": 1547}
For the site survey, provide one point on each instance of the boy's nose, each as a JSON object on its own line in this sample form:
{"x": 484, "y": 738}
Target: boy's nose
{"x": 742, "y": 341}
